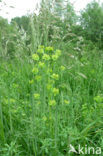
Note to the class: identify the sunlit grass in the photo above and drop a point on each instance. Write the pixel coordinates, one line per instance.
(46, 105)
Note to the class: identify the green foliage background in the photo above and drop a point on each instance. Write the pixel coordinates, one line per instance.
(47, 100)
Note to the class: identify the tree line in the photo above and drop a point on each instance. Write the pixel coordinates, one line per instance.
(56, 22)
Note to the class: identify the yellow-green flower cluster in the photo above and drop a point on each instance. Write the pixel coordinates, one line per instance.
(52, 103)
(36, 96)
(58, 52)
(49, 71)
(49, 48)
(45, 69)
(35, 57)
(35, 70)
(54, 57)
(41, 64)
(12, 101)
(44, 118)
(55, 91)
(62, 68)
(46, 57)
(98, 99)
(41, 47)
(9, 101)
(31, 81)
(38, 77)
(49, 86)
(40, 51)
(15, 85)
(55, 76)
(66, 102)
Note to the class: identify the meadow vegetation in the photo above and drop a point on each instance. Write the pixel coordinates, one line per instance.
(51, 81)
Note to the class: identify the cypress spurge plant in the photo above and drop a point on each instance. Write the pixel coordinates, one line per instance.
(46, 78)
